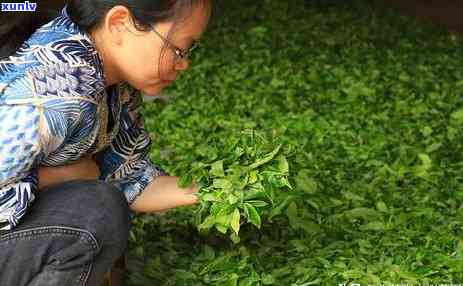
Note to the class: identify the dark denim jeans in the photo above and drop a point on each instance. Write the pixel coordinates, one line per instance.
(71, 235)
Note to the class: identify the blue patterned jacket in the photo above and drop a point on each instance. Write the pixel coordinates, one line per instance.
(55, 109)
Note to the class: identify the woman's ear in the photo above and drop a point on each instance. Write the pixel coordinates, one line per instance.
(116, 22)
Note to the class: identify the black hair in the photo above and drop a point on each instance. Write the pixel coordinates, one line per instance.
(17, 27)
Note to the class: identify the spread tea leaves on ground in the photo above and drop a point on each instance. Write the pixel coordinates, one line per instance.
(367, 108)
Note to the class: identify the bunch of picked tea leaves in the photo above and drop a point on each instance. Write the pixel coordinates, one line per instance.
(249, 181)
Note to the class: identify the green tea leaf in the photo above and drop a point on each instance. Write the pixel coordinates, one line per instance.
(181, 274)
(292, 214)
(210, 197)
(185, 181)
(235, 238)
(235, 221)
(265, 159)
(252, 215)
(223, 184)
(375, 225)
(221, 228)
(458, 115)
(283, 165)
(381, 206)
(207, 223)
(252, 177)
(268, 279)
(217, 169)
(257, 203)
(365, 213)
(306, 183)
(232, 199)
(280, 207)
(426, 161)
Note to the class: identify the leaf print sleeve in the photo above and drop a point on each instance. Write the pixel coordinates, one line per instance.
(126, 162)
(19, 151)
(49, 94)
(43, 121)
(30, 136)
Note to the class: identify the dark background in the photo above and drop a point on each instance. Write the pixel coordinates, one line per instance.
(448, 13)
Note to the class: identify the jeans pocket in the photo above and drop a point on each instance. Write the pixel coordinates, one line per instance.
(48, 255)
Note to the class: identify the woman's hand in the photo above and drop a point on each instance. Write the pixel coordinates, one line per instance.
(84, 168)
(163, 194)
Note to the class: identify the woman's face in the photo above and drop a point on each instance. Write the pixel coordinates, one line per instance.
(144, 59)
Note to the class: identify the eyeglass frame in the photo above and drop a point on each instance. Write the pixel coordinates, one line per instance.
(179, 53)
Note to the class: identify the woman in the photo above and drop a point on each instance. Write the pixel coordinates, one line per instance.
(74, 156)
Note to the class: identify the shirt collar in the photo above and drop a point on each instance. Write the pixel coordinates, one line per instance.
(64, 11)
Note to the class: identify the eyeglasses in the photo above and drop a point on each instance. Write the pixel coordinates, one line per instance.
(179, 53)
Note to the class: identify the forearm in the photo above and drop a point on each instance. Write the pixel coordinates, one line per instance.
(162, 193)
